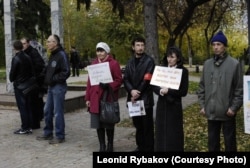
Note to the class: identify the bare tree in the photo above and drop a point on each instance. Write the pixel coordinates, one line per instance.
(176, 16)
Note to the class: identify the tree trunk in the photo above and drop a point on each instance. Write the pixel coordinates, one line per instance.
(151, 30)
(9, 31)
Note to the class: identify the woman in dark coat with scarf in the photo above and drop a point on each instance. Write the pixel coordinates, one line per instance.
(169, 114)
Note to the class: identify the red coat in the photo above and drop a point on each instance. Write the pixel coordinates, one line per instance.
(94, 93)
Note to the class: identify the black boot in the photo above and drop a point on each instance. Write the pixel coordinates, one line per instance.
(110, 135)
(101, 137)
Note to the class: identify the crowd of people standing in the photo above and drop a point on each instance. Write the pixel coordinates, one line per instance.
(220, 94)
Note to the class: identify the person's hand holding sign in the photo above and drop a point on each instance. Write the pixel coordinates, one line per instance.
(163, 91)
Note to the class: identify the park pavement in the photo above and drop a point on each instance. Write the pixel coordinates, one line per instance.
(24, 151)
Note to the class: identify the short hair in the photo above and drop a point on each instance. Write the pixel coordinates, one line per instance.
(26, 38)
(18, 45)
(56, 37)
(138, 39)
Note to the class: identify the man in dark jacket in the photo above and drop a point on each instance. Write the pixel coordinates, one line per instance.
(21, 71)
(37, 96)
(75, 61)
(57, 72)
(137, 76)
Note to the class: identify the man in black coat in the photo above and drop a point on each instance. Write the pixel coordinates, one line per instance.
(137, 76)
(37, 96)
(20, 72)
(75, 61)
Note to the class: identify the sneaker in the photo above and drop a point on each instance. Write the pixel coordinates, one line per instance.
(22, 131)
(30, 131)
(44, 137)
(56, 141)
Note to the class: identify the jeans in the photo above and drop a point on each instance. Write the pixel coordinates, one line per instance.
(54, 106)
(24, 107)
(229, 133)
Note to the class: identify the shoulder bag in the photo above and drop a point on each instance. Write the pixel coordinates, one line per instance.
(109, 111)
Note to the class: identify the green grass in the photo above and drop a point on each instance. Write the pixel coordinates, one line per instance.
(2, 76)
(193, 87)
(195, 130)
(83, 71)
(79, 83)
(195, 73)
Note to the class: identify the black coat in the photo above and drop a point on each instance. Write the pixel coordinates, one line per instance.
(134, 78)
(38, 64)
(37, 60)
(21, 68)
(74, 58)
(169, 117)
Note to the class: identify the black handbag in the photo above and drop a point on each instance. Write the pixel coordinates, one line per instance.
(109, 111)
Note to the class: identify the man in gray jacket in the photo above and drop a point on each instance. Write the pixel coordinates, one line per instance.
(221, 94)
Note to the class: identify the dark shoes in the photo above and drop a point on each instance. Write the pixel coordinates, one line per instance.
(50, 138)
(23, 131)
(102, 148)
(56, 141)
(44, 137)
(110, 147)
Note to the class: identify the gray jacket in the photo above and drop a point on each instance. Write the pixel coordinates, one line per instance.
(221, 87)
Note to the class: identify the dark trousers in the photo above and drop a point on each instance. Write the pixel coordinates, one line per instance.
(229, 133)
(75, 69)
(37, 105)
(24, 107)
(145, 131)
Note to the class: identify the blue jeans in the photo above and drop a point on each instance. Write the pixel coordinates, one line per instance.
(24, 107)
(54, 106)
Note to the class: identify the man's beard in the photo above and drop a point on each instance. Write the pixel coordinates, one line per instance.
(139, 53)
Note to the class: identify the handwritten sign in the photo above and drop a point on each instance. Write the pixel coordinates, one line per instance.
(136, 109)
(246, 102)
(99, 73)
(166, 77)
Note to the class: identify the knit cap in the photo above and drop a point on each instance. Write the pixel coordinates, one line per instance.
(220, 37)
(103, 46)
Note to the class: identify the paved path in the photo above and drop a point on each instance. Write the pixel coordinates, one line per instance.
(24, 151)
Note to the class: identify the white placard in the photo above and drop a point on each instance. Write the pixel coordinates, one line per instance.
(166, 77)
(136, 109)
(246, 103)
(99, 73)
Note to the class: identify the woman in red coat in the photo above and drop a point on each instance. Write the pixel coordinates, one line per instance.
(94, 95)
